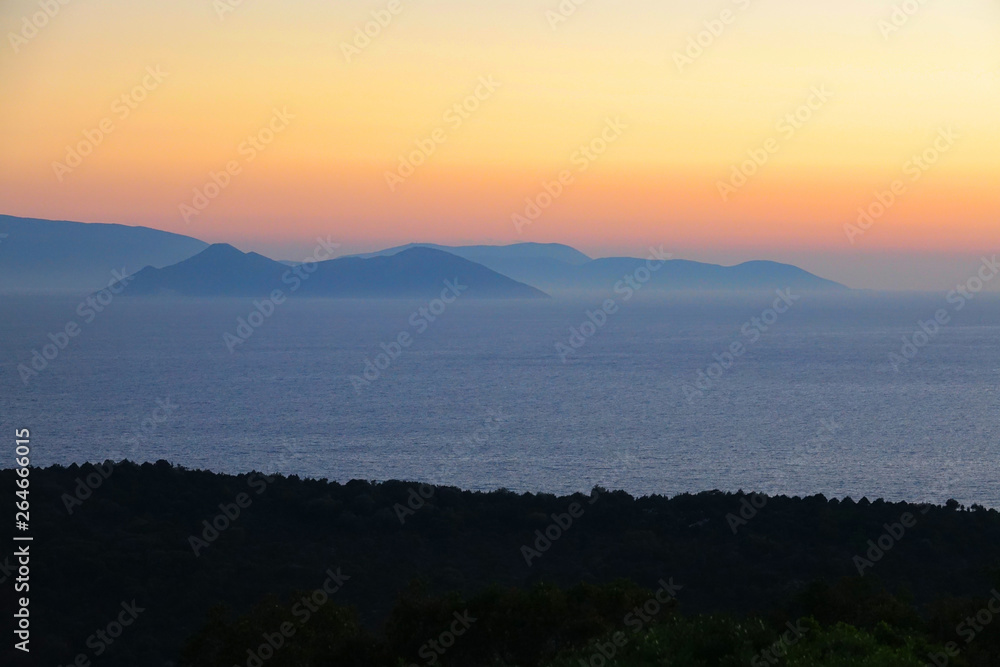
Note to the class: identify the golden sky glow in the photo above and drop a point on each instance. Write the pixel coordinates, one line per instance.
(657, 182)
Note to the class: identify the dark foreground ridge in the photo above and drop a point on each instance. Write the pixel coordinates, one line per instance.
(155, 565)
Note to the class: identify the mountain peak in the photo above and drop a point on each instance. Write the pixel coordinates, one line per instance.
(417, 272)
(221, 250)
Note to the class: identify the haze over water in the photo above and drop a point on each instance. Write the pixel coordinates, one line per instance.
(481, 399)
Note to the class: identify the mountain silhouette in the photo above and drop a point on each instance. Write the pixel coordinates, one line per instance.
(50, 255)
(554, 267)
(218, 270)
(485, 254)
(535, 263)
(418, 273)
(45, 255)
(686, 275)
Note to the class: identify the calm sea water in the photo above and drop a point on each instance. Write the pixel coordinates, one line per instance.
(481, 399)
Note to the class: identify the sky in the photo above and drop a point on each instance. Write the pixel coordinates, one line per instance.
(725, 130)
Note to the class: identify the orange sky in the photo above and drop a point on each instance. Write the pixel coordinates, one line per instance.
(551, 87)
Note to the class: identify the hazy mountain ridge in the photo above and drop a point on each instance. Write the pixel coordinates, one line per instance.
(60, 255)
(484, 254)
(223, 271)
(39, 255)
(554, 267)
(682, 274)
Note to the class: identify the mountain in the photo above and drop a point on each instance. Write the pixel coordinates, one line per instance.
(47, 255)
(484, 254)
(417, 273)
(530, 263)
(218, 270)
(554, 267)
(686, 275)
(50, 255)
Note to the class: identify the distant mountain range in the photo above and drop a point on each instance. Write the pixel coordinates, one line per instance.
(38, 255)
(677, 274)
(419, 273)
(499, 254)
(44, 255)
(554, 267)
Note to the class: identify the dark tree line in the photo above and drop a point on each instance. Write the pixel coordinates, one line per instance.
(414, 552)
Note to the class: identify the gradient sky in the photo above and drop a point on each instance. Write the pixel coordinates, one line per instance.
(656, 184)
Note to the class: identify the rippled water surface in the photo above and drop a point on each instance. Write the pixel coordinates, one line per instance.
(481, 399)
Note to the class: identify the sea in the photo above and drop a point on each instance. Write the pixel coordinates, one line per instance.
(891, 396)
